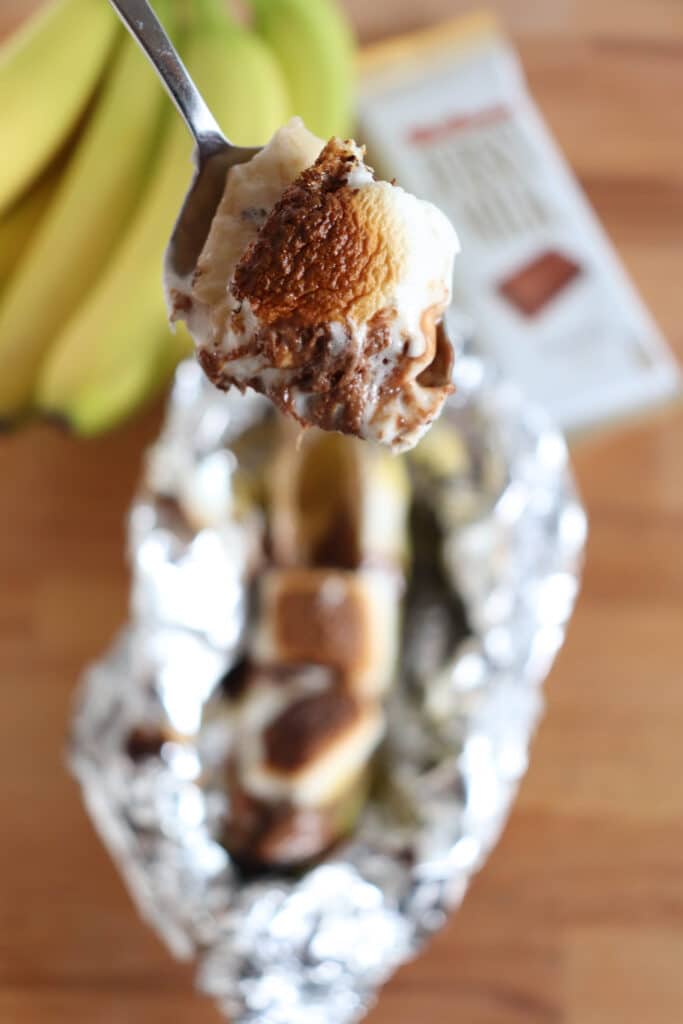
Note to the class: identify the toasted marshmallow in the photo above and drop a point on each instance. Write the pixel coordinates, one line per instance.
(347, 620)
(303, 739)
(323, 289)
(337, 502)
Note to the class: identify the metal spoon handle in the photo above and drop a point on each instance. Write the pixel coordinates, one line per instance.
(146, 29)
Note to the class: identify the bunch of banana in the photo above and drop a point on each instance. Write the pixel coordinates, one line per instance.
(95, 169)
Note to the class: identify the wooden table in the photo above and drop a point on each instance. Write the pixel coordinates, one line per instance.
(578, 916)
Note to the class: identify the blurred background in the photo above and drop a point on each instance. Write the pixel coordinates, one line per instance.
(578, 916)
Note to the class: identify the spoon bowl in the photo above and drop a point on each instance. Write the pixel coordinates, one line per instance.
(197, 212)
(214, 154)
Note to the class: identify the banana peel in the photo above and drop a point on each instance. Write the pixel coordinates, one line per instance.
(107, 358)
(314, 46)
(19, 223)
(94, 200)
(47, 76)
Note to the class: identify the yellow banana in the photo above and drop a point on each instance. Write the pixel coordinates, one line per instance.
(97, 194)
(173, 347)
(314, 46)
(108, 357)
(20, 221)
(48, 71)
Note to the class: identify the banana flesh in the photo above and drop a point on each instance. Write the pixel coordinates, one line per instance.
(337, 501)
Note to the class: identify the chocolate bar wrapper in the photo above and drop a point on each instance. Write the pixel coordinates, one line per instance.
(448, 113)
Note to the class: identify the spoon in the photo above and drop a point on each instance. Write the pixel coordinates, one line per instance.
(214, 154)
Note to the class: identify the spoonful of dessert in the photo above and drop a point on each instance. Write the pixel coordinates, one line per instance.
(302, 276)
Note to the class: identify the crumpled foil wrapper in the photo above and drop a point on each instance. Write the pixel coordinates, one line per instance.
(315, 947)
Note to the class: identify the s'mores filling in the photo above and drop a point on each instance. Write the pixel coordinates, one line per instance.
(324, 289)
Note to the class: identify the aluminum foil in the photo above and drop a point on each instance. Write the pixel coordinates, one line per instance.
(480, 637)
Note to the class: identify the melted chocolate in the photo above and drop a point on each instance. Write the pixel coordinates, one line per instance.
(305, 728)
(439, 372)
(145, 741)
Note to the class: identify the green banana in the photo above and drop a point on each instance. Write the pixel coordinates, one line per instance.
(19, 223)
(96, 197)
(48, 71)
(109, 356)
(172, 347)
(314, 45)
(178, 345)
(250, 97)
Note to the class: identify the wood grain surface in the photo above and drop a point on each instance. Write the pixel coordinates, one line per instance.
(578, 916)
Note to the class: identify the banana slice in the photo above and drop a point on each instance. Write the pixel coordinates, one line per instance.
(347, 620)
(442, 453)
(337, 502)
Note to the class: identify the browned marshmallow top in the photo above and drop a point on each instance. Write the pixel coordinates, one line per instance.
(325, 253)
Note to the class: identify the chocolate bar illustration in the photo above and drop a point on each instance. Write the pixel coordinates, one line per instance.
(534, 285)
